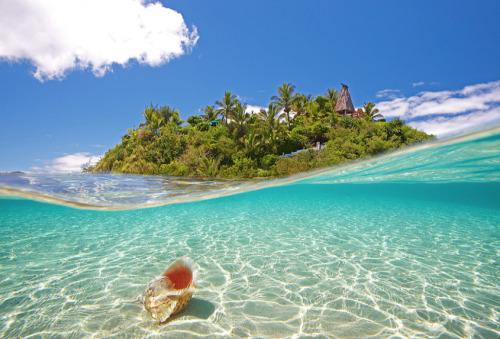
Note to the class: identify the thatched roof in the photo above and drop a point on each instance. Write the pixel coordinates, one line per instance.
(344, 102)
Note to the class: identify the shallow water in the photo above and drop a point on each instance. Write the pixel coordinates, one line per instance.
(407, 245)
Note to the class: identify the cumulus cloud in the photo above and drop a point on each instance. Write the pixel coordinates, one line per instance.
(447, 111)
(57, 36)
(69, 163)
(443, 125)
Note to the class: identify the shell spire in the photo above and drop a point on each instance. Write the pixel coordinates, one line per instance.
(169, 293)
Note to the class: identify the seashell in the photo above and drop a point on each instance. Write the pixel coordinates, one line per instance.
(169, 293)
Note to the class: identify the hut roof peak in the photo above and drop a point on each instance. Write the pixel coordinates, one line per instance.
(344, 102)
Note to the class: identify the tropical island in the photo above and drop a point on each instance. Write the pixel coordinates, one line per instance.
(296, 133)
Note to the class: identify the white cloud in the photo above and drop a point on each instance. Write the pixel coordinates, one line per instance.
(57, 36)
(447, 111)
(388, 93)
(395, 108)
(415, 84)
(69, 163)
(254, 109)
(443, 125)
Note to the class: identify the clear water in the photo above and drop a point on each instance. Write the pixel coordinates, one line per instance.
(405, 245)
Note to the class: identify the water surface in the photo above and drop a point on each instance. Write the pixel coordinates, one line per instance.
(404, 245)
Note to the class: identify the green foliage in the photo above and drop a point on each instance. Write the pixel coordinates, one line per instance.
(370, 113)
(204, 126)
(224, 147)
(318, 131)
(239, 119)
(250, 145)
(284, 99)
(194, 120)
(292, 141)
(289, 166)
(269, 160)
(174, 168)
(226, 106)
(347, 122)
(242, 167)
(209, 166)
(210, 114)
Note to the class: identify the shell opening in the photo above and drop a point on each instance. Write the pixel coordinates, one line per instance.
(180, 277)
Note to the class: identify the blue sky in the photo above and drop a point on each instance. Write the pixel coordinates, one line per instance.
(74, 74)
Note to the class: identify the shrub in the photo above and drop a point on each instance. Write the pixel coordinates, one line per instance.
(269, 160)
(194, 120)
(288, 166)
(318, 131)
(175, 168)
(193, 156)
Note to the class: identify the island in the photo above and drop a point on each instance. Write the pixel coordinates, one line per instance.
(296, 133)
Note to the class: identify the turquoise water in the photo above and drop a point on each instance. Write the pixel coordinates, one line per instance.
(405, 245)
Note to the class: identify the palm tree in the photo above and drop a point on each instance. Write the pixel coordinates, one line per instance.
(285, 99)
(176, 119)
(155, 124)
(252, 143)
(166, 112)
(210, 113)
(271, 117)
(332, 96)
(153, 120)
(209, 167)
(227, 105)
(149, 114)
(371, 113)
(240, 117)
(300, 102)
(313, 111)
(323, 106)
(271, 141)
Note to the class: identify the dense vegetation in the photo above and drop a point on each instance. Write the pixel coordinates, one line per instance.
(226, 141)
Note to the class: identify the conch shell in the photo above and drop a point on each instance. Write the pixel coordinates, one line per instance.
(169, 293)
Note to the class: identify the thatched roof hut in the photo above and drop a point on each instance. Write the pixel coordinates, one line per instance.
(344, 103)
